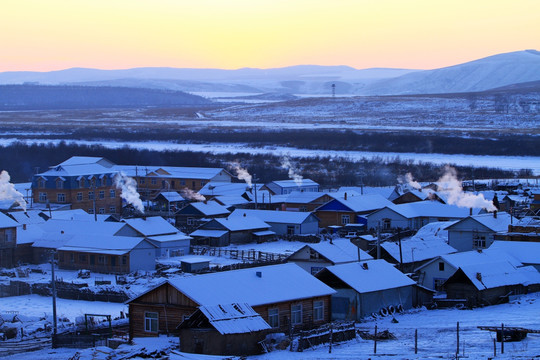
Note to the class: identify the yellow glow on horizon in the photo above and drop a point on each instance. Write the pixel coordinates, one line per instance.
(56, 34)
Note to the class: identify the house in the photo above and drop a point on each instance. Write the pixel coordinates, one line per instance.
(384, 191)
(365, 288)
(282, 187)
(283, 222)
(303, 201)
(196, 213)
(428, 243)
(231, 230)
(526, 252)
(491, 283)
(526, 229)
(213, 189)
(415, 215)
(223, 329)
(107, 254)
(348, 208)
(169, 202)
(88, 182)
(284, 295)
(232, 202)
(8, 240)
(167, 239)
(435, 272)
(477, 231)
(315, 257)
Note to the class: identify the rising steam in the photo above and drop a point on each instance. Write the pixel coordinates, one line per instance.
(128, 187)
(449, 184)
(407, 180)
(8, 191)
(189, 194)
(293, 174)
(241, 173)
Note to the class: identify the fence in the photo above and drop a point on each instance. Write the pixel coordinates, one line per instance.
(329, 333)
(244, 255)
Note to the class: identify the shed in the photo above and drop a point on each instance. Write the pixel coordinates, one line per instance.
(191, 264)
(224, 329)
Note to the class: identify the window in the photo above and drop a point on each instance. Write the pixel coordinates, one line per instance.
(42, 197)
(102, 210)
(72, 258)
(273, 317)
(479, 241)
(314, 255)
(183, 182)
(441, 266)
(124, 260)
(41, 183)
(8, 237)
(290, 229)
(315, 269)
(345, 219)
(387, 224)
(153, 181)
(151, 322)
(203, 183)
(61, 197)
(141, 181)
(102, 259)
(190, 221)
(112, 209)
(303, 208)
(318, 310)
(90, 211)
(59, 184)
(438, 284)
(90, 195)
(112, 194)
(193, 184)
(83, 258)
(102, 194)
(79, 196)
(81, 183)
(296, 314)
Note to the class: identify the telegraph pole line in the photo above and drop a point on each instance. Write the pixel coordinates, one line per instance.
(53, 283)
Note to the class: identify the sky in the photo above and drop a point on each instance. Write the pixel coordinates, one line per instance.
(38, 35)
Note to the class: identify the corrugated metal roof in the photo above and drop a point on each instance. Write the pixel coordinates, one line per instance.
(236, 318)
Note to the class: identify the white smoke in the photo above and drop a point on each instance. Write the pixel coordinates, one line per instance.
(450, 185)
(241, 173)
(408, 181)
(189, 194)
(293, 174)
(128, 187)
(8, 191)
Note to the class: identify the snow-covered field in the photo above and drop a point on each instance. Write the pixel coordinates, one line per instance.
(513, 163)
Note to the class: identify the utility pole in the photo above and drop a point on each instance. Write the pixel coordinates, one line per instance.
(400, 251)
(53, 283)
(379, 241)
(255, 189)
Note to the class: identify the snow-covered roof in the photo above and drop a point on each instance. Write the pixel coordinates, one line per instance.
(276, 283)
(492, 275)
(473, 257)
(55, 226)
(231, 200)
(172, 196)
(208, 233)
(112, 245)
(170, 171)
(27, 217)
(237, 318)
(264, 233)
(271, 216)
(294, 184)
(215, 188)
(384, 191)
(499, 223)
(30, 234)
(7, 222)
(361, 203)
(73, 214)
(84, 160)
(210, 208)
(154, 225)
(239, 223)
(527, 252)
(301, 197)
(167, 238)
(51, 241)
(339, 251)
(369, 276)
(429, 242)
(431, 209)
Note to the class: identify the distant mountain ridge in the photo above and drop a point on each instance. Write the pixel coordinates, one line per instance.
(479, 75)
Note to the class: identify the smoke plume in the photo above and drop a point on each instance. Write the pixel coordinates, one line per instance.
(8, 191)
(241, 173)
(449, 184)
(189, 194)
(128, 187)
(293, 174)
(408, 181)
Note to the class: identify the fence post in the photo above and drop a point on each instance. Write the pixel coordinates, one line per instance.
(494, 347)
(416, 341)
(457, 346)
(331, 339)
(502, 338)
(375, 341)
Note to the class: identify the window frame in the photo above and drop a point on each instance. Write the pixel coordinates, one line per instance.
(296, 314)
(318, 310)
(151, 322)
(273, 317)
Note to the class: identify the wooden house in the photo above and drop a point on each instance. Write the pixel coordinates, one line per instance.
(367, 287)
(282, 187)
(231, 230)
(8, 240)
(193, 215)
(224, 329)
(283, 222)
(346, 208)
(477, 231)
(315, 257)
(284, 295)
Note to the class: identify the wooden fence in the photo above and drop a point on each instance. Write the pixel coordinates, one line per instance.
(244, 255)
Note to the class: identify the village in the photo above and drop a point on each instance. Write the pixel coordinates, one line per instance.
(217, 264)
